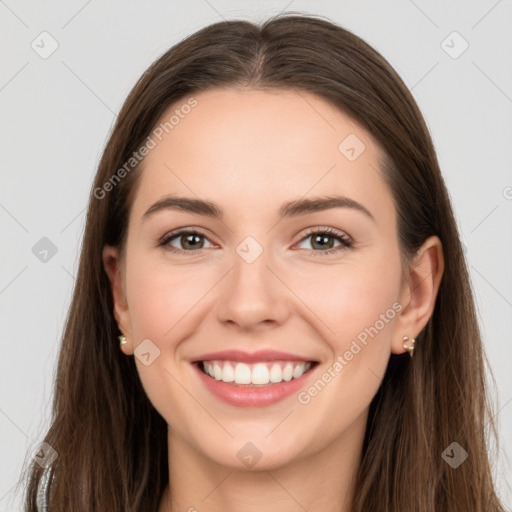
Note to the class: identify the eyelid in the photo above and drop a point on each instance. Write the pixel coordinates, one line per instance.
(326, 229)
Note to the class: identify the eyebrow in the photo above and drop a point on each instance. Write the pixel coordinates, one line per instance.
(289, 209)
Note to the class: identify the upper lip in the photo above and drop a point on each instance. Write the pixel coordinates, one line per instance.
(246, 357)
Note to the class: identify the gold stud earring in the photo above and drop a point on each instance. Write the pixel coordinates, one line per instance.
(409, 348)
(122, 340)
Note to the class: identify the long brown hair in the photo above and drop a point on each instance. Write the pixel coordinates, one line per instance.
(112, 443)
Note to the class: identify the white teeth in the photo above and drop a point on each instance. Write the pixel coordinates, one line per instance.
(242, 374)
(276, 374)
(228, 374)
(259, 374)
(288, 372)
(299, 370)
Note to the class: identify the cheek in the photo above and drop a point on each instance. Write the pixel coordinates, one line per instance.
(163, 301)
(348, 298)
(161, 297)
(359, 304)
(355, 306)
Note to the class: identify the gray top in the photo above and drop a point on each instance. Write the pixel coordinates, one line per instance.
(41, 503)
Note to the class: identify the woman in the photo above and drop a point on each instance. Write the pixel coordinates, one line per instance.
(270, 237)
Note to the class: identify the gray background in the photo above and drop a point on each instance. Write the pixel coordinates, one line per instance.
(57, 112)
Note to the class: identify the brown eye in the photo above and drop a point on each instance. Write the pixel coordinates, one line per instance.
(187, 241)
(323, 241)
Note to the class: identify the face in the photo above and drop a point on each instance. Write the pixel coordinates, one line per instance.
(269, 287)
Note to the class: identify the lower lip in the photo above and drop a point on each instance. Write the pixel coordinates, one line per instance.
(245, 396)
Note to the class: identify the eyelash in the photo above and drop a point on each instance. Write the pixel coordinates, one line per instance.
(345, 240)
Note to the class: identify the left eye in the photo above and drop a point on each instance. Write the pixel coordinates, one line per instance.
(322, 241)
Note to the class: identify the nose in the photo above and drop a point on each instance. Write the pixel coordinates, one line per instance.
(253, 296)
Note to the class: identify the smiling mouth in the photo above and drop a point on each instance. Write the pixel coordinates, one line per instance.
(259, 374)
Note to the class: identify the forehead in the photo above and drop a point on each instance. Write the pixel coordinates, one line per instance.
(255, 149)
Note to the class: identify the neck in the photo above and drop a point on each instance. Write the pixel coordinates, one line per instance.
(323, 481)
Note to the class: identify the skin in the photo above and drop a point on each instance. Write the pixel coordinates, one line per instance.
(250, 151)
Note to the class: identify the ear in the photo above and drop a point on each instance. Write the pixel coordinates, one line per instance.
(114, 269)
(419, 292)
